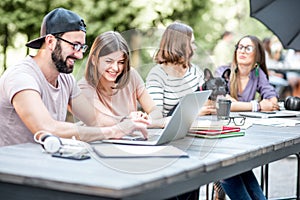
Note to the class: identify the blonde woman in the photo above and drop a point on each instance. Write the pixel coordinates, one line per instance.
(113, 87)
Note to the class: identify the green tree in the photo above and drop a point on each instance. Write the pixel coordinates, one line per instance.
(209, 18)
(24, 17)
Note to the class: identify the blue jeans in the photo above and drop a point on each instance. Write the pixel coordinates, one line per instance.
(243, 186)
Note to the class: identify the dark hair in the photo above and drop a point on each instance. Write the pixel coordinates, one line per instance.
(175, 45)
(107, 43)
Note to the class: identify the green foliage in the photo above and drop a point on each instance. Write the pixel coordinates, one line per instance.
(209, 18)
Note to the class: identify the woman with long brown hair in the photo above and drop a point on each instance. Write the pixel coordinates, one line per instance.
(250, 90)
(113, 86)
(249, 85)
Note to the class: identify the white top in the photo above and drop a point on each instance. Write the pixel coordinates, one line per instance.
(167, 90)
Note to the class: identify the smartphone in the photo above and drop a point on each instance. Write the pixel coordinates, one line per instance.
(268, 112)
(71, 156)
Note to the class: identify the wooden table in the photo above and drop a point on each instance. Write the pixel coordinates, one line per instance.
(28, 173)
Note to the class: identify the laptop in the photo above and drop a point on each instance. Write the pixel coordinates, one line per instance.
(178, 126)
(271, 114)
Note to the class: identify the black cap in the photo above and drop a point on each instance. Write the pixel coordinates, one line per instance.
(57, 21)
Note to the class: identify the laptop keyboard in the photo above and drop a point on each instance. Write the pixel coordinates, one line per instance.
(153, 134)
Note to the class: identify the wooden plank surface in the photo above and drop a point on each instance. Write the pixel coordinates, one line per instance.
(134, 178)
(26, 164)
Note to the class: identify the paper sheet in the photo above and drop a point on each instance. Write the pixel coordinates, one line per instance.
(273, 121)
(204, 124)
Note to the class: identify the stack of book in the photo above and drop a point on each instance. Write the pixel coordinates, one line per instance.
(213, 129)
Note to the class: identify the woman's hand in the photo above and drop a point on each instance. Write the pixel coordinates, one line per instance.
(208, 108)
(268, 105)
(139, 115)
(128, 126)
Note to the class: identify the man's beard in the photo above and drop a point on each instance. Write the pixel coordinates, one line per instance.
(60, 64)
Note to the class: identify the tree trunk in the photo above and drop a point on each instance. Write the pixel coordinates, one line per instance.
(5, 45)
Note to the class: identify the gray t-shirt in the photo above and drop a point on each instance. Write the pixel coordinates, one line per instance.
(27, 75)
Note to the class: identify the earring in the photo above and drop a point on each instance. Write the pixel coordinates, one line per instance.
(256, 70)
(236, 70)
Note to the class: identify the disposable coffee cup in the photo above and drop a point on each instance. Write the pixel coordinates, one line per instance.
(223, 109)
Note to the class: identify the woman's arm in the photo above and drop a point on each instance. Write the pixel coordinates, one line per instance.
(264, 105)
(239, 105)
(149, 106)
(269, 104)
(208, 108)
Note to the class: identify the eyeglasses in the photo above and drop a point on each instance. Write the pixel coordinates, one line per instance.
(238, 121)
(248, 48)
(76, 47)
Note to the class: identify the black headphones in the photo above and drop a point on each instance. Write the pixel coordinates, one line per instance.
(49, 142)
(292, 103)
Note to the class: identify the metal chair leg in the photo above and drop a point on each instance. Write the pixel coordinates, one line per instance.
(267, 180)
(262, 178)
(298, 177)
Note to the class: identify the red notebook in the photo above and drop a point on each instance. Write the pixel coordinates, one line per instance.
(225, 129)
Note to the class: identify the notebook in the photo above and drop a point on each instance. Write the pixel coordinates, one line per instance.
(271, 114)
(206, 124)
(225, 129)
(225, 135)
(178, 126)
(137, 151)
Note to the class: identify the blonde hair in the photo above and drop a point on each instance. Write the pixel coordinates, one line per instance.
(107, 43)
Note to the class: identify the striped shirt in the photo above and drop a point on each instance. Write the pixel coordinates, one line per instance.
(167, 90)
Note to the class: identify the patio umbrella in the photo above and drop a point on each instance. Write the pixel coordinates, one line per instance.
(281, 17)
